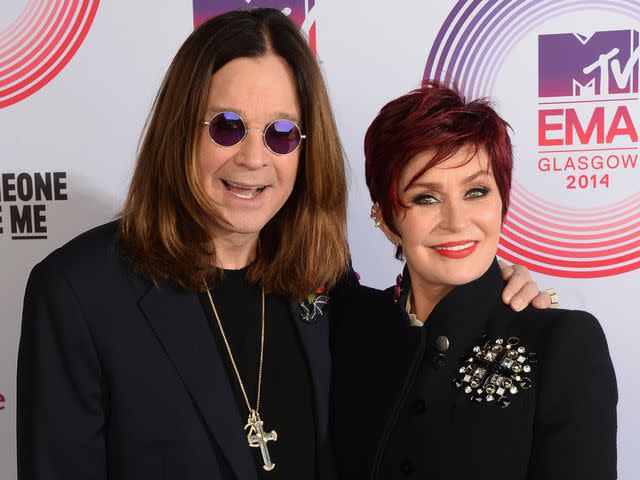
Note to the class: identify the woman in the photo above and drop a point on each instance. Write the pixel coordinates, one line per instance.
(443, 381)
(163, 345)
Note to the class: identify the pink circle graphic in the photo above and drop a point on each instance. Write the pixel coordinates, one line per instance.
(38, 44)
(470, 49)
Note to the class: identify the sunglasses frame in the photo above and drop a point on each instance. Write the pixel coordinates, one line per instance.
(263, 131)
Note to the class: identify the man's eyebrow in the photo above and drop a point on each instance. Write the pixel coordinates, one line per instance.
(215, 109)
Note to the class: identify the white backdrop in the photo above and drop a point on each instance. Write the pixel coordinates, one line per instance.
(85, 123)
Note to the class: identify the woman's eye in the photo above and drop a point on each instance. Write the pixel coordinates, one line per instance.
(425, 199)
(477, 192)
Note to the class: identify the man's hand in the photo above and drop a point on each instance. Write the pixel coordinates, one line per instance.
(521, 289)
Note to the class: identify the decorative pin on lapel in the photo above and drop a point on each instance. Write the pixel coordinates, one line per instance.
(496, 371)
(311, 308)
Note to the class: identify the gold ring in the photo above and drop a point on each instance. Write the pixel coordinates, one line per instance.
(554, 297)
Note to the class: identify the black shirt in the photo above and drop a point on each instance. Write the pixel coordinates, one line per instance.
(286, 404)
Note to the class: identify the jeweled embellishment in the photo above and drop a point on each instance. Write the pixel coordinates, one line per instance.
(312, 307)
(494, 373)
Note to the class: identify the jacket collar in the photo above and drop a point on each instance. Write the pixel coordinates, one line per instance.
(463, 314)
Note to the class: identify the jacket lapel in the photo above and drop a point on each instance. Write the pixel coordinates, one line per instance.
(314, 335)
(177, 318)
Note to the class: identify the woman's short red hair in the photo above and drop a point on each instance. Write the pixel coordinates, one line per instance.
(437, 118)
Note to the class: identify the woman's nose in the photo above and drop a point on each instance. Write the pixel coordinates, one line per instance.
(454, 216)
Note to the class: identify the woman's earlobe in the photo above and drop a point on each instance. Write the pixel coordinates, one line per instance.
(376, 216)
(393, 238)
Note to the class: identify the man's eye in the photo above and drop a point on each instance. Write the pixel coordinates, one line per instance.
(479, 192)
(424, 199)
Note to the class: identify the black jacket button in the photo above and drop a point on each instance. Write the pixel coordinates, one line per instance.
(419, 407)
(406, 467)
(439, 361)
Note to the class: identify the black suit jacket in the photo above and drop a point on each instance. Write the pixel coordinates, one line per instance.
(397, 413)
(120, 379)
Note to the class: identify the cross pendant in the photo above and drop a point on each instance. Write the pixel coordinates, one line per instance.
(258, 438)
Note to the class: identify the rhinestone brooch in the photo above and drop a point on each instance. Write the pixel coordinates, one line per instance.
(496, 371)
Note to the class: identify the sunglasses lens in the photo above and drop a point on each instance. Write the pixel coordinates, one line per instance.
(282, 137)
(226, 129)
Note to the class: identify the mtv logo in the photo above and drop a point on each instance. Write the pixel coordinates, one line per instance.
(573, 65)
(296, 10)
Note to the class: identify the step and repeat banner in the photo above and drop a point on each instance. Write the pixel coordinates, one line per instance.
(77, 79)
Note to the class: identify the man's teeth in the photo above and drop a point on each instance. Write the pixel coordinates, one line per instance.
(457, 247)
(242, 191)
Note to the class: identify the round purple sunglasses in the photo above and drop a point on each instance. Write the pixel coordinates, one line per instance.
(281, 136)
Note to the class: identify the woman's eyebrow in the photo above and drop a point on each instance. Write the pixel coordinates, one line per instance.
(474, 176)
(438, 186)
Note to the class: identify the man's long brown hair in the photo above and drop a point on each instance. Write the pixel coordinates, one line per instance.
(165, 222)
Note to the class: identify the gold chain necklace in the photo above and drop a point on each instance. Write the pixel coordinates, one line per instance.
(256, 436)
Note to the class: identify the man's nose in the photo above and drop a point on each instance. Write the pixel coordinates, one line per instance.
(252, 152)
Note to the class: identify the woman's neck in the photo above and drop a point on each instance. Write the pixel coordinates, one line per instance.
(425, 296)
